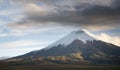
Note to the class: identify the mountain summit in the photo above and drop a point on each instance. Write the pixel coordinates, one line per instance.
(77, 47)
(82, 35)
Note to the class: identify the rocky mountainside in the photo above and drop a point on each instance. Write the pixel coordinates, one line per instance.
(76, 47)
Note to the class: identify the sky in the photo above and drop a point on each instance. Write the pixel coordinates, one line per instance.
(28, 25)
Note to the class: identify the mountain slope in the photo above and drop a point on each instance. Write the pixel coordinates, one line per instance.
(78, 46)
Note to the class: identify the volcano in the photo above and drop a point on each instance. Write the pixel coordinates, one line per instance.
(77, 47)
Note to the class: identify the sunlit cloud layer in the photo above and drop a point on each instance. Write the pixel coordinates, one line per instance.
(109, 39)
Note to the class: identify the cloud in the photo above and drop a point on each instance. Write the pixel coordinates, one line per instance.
(23, 30)
(95, 15)
(105, 37)
(33, 9)
(10, 14)
(21, 43)
(1, 1)
(17, 2)
(104, 2)
(108, 38)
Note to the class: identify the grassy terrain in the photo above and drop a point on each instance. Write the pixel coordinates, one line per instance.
(37, 66)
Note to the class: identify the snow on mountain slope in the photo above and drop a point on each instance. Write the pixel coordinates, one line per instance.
(82, 35)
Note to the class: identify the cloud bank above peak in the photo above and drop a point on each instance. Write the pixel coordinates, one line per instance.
(89, 14)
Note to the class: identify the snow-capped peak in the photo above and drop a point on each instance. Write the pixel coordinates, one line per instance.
(82, 35)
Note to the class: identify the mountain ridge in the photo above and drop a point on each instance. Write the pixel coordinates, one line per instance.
(79, 48)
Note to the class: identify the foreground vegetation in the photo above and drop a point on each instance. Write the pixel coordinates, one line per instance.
(39, 66)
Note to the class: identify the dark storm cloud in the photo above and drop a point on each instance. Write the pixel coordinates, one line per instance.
(90, 14)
